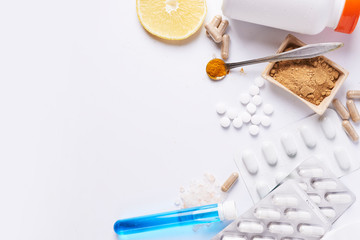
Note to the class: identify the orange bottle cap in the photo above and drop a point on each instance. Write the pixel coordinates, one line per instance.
(349, 17)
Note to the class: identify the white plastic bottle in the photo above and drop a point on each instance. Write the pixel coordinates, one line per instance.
(303, 16)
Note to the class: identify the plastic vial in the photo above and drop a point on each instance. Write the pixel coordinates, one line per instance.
(188, 216)
(303, 16)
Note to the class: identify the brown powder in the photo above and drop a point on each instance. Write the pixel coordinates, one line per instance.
(311, 79)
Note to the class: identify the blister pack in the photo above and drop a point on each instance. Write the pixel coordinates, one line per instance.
(286, 213)
(263, 166)
(323, 188)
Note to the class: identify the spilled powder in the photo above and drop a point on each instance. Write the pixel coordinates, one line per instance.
(311, 79)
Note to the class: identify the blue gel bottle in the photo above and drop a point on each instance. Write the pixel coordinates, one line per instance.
(188, 216)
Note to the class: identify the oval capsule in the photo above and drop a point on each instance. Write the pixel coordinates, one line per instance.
(285, 200)
(353, 94)
(328, 128)
(250, 227)
(269, 152)
(342, 158)
(281, 228)
(308, 137)
(250, 162)
(289, 144)
(311, 230)
(328, 212)
(267, 213)
(230, 182)
(311, 172)
(338, 198)
(295, 214)
(324, 184)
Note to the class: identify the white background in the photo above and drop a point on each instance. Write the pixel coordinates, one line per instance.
(100, 120)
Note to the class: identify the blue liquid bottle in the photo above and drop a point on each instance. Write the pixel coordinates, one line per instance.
(188, 216)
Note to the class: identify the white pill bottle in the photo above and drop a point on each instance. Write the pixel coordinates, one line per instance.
(302, 16)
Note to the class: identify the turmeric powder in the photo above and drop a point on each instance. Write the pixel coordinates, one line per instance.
(216, 69)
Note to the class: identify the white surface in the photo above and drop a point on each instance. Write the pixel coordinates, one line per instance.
(83, 97)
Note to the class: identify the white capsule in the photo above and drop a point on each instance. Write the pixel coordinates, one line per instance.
(315, 198)
(281, 228)
(338, 198)
(303, 186)
(256, 119)
(232, 113)
(328, 212)
(262, 189)
(259, 81)
(285, 200)
(342, 158)
(225, 122)
(254, 130)
(308, 136)
(265, 121)
(254, 90)
(324, 184)
(246, 117)
(299, 215)
(237, 123)
(269, 152)
(328, 128)
(289, 144)
(311, 172)
(268, 109)
(232, 237)
(220, 108)
(267, 213)
(310, 230)
(251, 108)
(250, 227)
(257, 100)
(244, 98)
(250, 162)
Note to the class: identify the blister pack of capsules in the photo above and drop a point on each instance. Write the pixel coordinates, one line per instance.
(285, 214)
(331, 196)
(264, 165)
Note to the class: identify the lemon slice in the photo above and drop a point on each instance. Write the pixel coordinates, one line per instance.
(171, 19)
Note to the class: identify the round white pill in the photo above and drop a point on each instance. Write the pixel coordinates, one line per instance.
(268, 109)
(244, 98)
(237, 123)
(251, 108)
(260, 82)
(265, 121)
(245, 117)
(220, 108)
(254, 130)
(225, 122)
(254, 90)
(232, 113)
(257, 100)
(256, 119)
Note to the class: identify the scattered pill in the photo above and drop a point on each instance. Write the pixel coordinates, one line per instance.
(267, 213)
(262, 189)
(254, 90)
(229, 237)
(311, 172)
(350, 131)
(281, 228)
(238, 122)
(342, 158)
(269, 152)
(216, 32)
(310, 230)
(324, 184)
(250, 227)
(244, 98)
(328, 212)
(230, 182)
(251, 108)
(268, 109)
(265, 121)
(285, 200)
(341, 109)
(308, 136)
(256, 119)
(232, 113)
(245, 117)
(299, 215)
(221, 108)
(354, 113)
(222, 27)
(338, 198)
(250, 162)
(315, 198)
(328, 128)
(225, 122)
(260, 82)
(254, 130)
(257, 100)
(353, 94)
(225, 47)
(289, 144)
